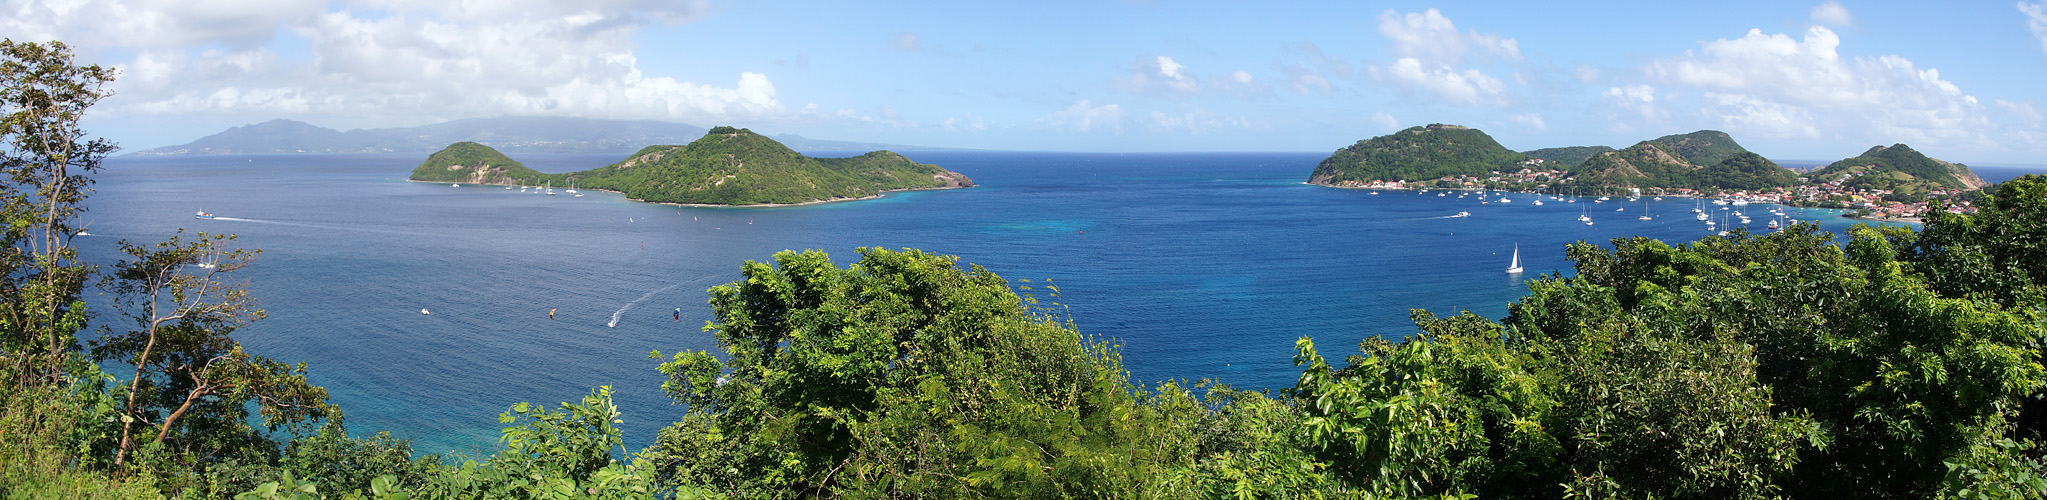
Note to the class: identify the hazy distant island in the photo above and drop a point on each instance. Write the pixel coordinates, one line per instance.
(1884, 182)
(726, 167)
(518, 134)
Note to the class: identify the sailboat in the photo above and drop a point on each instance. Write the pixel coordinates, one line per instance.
(1645, 212)
(1514, 267)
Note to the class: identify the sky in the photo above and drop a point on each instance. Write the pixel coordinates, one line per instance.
(1809, 81)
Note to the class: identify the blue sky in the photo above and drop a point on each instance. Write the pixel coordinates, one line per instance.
(1815, 81)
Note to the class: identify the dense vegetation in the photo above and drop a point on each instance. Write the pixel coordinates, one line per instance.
(1901, 364)
(728, 166)
(1704, 160)
(1899, 169)
(731, 166)
(476, 164)
(1569, 156)
(1418, 153)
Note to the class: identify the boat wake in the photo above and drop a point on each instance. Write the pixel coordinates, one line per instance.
(629, 305)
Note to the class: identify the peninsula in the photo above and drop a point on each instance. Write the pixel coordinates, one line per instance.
(726, 167)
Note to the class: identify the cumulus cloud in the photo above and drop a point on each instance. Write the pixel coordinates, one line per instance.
(1084, 116)
(1638, 99)
(1430, 37)
(1777, 84)
(1832, 14)
(2036, 21)
(1467, 87)
(1430, 47)
(392, 61)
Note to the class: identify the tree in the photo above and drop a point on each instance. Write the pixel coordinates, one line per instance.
(43, 153)
(191, 379)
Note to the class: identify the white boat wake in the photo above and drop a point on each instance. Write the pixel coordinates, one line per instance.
(629, 305)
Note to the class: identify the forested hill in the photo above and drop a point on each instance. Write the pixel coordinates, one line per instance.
(1418, 153)
(1707, 159)
(1899, 169)
(1571, 155)
(469, 162)
(728, 166)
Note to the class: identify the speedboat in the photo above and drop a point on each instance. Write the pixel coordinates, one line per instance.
(202, 215)
(1462, 214)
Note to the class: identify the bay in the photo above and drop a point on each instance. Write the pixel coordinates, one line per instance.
(1198, 265)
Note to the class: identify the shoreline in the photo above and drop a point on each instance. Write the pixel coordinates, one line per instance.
(883, 193)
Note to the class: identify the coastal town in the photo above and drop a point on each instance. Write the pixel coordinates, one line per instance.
(1550, 177)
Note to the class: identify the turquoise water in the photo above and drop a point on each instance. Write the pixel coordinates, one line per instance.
(1200, 265)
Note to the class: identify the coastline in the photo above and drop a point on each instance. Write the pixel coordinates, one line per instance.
(718, 205)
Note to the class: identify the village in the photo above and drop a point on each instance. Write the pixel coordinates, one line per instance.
(1550, 177)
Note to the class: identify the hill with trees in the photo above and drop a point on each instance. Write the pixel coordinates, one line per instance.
(1570, 155)
(1417, 153)
(727, 166)
(1899, 169)
(1706, 160)
(472, 163)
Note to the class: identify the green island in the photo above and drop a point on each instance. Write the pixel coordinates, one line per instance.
(1892, 183)
(1902, 364)
(727, 166)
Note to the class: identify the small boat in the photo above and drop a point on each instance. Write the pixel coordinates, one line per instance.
(1462, 214)
(202, 215)
(1514, 267)
(1504, 200)
(1375, 192)
(1538, 202)
(1773, 223)
(454, 185)
(424, 311)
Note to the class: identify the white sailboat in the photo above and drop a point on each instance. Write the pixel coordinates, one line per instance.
(1514, 267)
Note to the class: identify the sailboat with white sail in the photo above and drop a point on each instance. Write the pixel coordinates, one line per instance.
(1514, 267)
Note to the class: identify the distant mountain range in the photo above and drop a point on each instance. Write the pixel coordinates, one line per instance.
(523, 134)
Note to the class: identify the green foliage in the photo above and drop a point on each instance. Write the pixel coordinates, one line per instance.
(1679, 161)
(1418, 153)
(475, 163)
(738, 167)
(1704, 147)
(1900, 169)
(1569, 156)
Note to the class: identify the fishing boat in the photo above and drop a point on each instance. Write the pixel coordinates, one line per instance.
(202, 215)
(1514, 267)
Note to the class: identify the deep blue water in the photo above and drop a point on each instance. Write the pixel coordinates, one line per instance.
(1199, 265)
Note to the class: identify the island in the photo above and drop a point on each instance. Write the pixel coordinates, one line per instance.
(728, 166)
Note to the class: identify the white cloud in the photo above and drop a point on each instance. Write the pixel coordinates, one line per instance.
(1385, 121)
(1533, 120)
(2036, 21)
(1586, 74)
(1241, 77)
(1748, 113)
(970, 123)
(908, 42)
(406, 63)
(1832, 14)
(1158, 75)
(1639, 99)
(1197, 121)
(1468, 87)
(1780, 85)
(1431, 37)
(2022, 109)
(1084, 116)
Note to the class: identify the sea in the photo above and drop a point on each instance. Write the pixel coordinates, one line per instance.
(1200, 266)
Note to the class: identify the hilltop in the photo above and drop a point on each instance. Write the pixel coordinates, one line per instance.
(519, 134)
(473, 163)
(1572, 155)
(1900, 170)
(727, 166)
(1706, 159)
(1417, 153)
